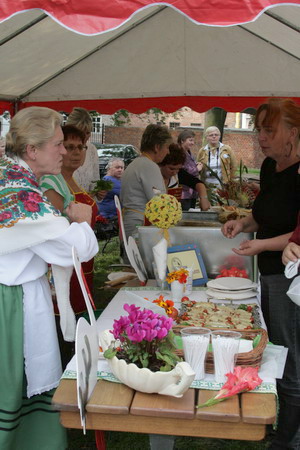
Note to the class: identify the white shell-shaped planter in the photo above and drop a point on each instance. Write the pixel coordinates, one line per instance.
(173, 383)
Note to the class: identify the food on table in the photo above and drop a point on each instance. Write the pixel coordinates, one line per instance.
(213, 315)
(233, 272)
(232, 213)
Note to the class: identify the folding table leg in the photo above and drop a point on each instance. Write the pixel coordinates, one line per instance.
(100, 440)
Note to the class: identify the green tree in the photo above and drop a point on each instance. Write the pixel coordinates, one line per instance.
(122, 117)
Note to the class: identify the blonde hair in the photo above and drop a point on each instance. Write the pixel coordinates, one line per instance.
(31, 126)
(211, 129)
(80, 118)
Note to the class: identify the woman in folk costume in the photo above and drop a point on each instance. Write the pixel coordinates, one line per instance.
(33, 235)
(218, 156)
(60, 190)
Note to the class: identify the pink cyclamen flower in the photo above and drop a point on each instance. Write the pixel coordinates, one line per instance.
(240, 380)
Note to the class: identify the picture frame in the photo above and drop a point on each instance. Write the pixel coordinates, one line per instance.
(188, 256)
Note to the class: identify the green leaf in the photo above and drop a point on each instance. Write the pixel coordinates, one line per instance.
(101, 185)
(256, 340)
(166, 368)
(110, 353)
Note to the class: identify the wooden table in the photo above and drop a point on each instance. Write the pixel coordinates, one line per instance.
(116, 407)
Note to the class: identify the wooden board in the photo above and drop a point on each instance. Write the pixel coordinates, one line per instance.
(164, 425)
(258, 408)
(110, 398)
(65, 396)
(226, 411)
(155, 405)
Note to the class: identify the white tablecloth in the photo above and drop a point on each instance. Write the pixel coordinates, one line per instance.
(273, 359)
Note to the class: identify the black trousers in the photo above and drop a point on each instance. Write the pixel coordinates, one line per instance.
(282, 317)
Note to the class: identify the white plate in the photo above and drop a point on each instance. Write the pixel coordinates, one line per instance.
(235, 291)
(115, 275)
(230, 296)
(231, 283)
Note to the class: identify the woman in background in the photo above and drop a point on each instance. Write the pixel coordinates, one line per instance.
(217, 156)
(33, 235)
(174, 175)
(115, 169)
(88, 172)
(186, 141)
(142, 178)
(274, 217)
(2, 146)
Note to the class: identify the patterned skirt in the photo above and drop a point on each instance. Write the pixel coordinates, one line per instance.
(25, 423)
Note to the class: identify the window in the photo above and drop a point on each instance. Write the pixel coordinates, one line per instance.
(174, 124)
(196, 124)
(97, 124)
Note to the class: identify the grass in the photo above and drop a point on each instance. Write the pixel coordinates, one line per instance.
(127, 441)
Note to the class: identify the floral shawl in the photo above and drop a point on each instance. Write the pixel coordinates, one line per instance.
(26, 217)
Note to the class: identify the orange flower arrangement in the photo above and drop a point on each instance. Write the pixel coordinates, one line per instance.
(177, 275)
(168, 306)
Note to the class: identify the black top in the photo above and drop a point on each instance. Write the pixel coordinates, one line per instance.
(275, 210)
(187, 179)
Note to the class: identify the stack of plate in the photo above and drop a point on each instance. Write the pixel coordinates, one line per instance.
(232, 288)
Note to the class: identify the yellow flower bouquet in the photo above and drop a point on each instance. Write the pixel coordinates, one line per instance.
(163, 211)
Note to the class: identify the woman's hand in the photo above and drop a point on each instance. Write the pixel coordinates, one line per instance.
(250, 247)
(291, 253)
(204, 204)
(231, 228)
(100, 195)
(79, 212)
(199, 166)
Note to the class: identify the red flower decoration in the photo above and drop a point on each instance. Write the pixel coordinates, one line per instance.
(241, 380)
(101, 219)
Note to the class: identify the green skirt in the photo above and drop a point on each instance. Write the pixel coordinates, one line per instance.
(25, 423)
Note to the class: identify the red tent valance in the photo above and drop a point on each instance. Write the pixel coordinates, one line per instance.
(141, 105)
(98, 16)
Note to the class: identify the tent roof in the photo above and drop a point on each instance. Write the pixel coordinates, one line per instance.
(158, 58)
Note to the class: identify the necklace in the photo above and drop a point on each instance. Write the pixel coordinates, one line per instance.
(147, 156)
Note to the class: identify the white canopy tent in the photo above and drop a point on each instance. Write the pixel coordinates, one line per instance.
(158, 58)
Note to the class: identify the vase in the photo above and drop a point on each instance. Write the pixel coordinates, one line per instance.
(177, 289)
(174, 383)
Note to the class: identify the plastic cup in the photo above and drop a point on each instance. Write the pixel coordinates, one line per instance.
(195, 341)
(225, 346)
(162, 284)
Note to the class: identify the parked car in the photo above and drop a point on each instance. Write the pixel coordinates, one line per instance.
(106, 151)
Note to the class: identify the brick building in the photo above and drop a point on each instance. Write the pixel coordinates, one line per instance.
(243, 142)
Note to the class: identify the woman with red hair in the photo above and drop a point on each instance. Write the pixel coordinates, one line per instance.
(274, 217)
